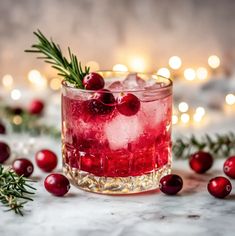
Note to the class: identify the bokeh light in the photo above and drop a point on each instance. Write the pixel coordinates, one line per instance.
(175, 62)
(230, 99)
(183, 107)
(189, 74)
(202, 73)
(214, 61)
(120, 67)
(15, 94)
(164, 72)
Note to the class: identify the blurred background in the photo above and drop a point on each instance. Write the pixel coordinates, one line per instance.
(111, 31)
(191, 41)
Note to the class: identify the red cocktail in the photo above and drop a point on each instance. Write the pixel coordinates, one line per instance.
(117, 140)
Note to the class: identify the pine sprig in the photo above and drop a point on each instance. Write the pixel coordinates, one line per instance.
(71, 70)
(15, 190)
(219, 145)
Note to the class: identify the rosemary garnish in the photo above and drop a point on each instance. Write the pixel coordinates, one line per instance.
(71, 70)
(14, 190)
(219, 145)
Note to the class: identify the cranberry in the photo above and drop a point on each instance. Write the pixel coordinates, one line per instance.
(23, 167)
(5, 152)
(102, 102)
(93, 81)
(171, 184)
(219, 187)
(46, 160)
(128, 104)
(57, 184)
(36, 107)
(2, 129)
(229, 167)
(201, 161)
(16, 110)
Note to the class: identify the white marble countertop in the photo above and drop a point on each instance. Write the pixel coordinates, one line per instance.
(192, 212)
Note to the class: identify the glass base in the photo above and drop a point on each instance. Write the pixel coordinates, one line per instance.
(116, 185)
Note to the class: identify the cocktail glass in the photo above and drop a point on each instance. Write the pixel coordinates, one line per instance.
(107, 152)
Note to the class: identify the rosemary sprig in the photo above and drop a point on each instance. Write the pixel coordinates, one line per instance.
(219, 145)
(15, 190)
(71, 70)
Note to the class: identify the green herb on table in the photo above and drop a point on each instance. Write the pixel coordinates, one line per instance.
(219, 145)
(15, 191)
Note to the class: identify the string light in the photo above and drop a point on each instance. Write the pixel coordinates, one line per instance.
(214, 61)
(7, 81)
(55, 84)
(183, 107)
(185, 118)
(17, 120)
(94, 66)
(202, 73)
(175, 62)
(197, 117)
(174, 119)
(120, 67)
(164, 72)
(15, 94)
(137, 64)
(230, 99)
(35, 77)
(200, 111)
(189, 74)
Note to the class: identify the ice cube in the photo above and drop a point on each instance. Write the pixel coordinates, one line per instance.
(117, 85)
(154, 112)
(133, 81)
(122, 130)
(153, 84)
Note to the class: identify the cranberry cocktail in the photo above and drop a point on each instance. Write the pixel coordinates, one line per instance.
(117, 139)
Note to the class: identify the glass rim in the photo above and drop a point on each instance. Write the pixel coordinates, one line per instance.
(165, 87)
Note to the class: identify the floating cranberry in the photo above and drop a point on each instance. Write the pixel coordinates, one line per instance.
(219, 187)
(102, 102)
(128, 104)
(201, 161)
(36, 107)
(5, 152)
(46, 160)
(171, 184)
(23, 167)
(93, 81)
(57, 184)
(2, 129)
(229, 167)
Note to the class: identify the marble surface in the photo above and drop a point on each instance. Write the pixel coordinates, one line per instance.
(192, 212)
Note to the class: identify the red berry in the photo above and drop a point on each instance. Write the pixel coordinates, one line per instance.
(201, 161)
(2, 129)
(171, 184)
(57, 184)
(229, 167)
(23, 167)
(36, 107)
(102, 102)
(128, 104)
(5, 152)
(16, 110)
(93, 81)
(46, 160)
(219, 187)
